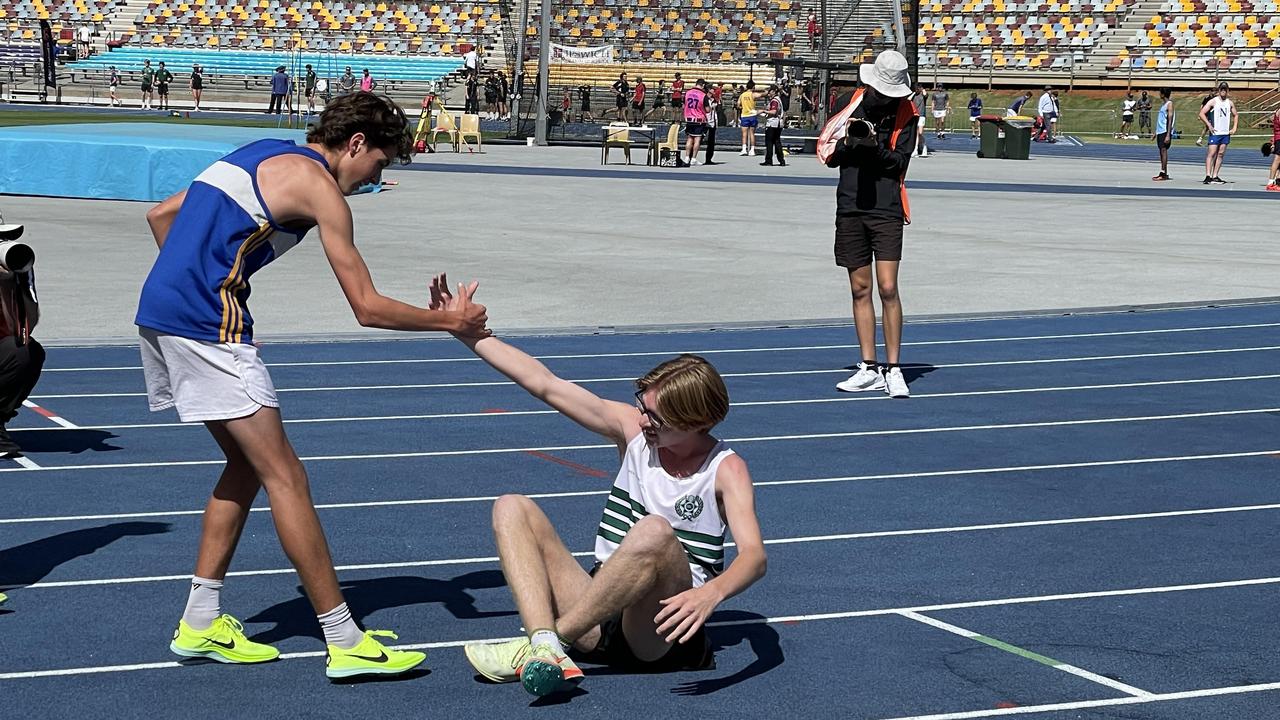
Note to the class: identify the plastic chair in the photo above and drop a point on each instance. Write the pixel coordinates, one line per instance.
(470, 128)
(671, 144)
(617, 134)
(445, 124)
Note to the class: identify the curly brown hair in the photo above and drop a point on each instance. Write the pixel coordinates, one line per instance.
(382, 121)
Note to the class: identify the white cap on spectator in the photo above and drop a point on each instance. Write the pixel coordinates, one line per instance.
(889, 75)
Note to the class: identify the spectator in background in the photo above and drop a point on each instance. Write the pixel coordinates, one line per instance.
(1273, 184)
(975, 109)
(1047, 109)
(584, 107)
(695, 119)
(1164, 133)
(919, 98)
(747, 118)
(806, 103)
(112, 86)
(471, 104)
(1220, 118)
(637, 101)
(1127, 106)
(367, 83)
(731, 105)
(504, 92)
(309, 87)
(659, 101)
(21, 357)
(1144, 114)
(1016, 107)
(621, 94)
(471, 62)
(491, 97)
(163, 78)
(784, 94)
(813, 29)
(941, 100)
(148, 82)
(346, 83)
(677, 96)
(566, 104)
(713, 122)
(773, 120)
(197, 84)
(717, 97)
(279, 88)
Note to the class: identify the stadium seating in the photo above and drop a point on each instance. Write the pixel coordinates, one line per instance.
(1015, 35)
(717, 31)
(19, 54)
(1218, 35)
(71, 11)
(430, 28)
(263, 63)
(603, 75)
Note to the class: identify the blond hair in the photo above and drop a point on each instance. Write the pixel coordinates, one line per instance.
(690, 395)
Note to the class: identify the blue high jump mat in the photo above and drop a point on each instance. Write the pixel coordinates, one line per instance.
(116, 161)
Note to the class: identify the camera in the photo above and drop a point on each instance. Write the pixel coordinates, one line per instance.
(1267, 149)
(15, 256)
(861, 129)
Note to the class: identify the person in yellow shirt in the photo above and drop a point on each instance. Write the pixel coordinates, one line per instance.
(747, 118)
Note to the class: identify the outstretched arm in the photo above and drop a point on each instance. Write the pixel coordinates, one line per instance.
(617, 421)
(683, 614)
(160, 218)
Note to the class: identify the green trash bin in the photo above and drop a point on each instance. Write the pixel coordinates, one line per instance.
(991, 137)
(1017, 140)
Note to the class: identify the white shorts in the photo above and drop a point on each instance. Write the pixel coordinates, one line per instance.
(939, 114)
(204, 380)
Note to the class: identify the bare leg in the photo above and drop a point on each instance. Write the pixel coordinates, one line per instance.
(227, 509)
(649, 566)
(891, 308)
(260, 438)
(1208, 160)
(1217, 161)
(544, 578)
(864, 312)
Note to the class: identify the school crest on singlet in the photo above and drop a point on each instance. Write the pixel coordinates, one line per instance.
(689, 507)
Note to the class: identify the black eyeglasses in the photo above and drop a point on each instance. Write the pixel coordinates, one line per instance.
(654, 420)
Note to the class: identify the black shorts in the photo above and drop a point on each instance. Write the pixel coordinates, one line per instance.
(621, 102)
(659, 102)
(613, 650)
(637, 106)
(146, 87)
(586, 107)
(163, 88)
(1164, 141)
(862, 238)
(695, 129)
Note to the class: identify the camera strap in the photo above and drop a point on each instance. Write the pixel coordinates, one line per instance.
(837, 126)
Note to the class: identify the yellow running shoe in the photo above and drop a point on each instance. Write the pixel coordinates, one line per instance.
(541, 670)
(370, 657)
(224, 641)
(3, 598)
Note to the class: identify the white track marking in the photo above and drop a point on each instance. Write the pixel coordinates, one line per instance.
(1087, 704)
(25, 463)
(771, 541)
(1022, 652)
(764, 438)
(748, 403)
(773, 373)
(724, 351)
(601, 493)
(54, 418)
(817, 617)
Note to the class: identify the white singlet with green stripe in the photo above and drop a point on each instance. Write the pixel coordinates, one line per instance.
(688, 503)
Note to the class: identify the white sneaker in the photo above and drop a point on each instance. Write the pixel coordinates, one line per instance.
(743, 153)
(695, 162)
(865, 379)
(895, 386)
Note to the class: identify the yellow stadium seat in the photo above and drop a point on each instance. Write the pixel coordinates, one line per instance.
(268, 42)
(213, 41)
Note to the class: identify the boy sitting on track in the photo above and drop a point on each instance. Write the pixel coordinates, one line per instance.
(659, 570)
(198, 355)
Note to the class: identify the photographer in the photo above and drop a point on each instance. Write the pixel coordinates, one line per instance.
(871, 140)
(21, 357)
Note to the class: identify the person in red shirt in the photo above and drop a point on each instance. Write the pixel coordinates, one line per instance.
(812, 26)
(677, 97)
(637, 100)
(1273, 149)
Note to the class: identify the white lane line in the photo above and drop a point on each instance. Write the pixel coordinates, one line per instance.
(24, 462)
(749, 403)
(876, 534)
(772, 373)
(601, 493)
(1250, 582)
(1087, 704)
(1029, 655)
(725, 351)
(54, 417)
(763, 438)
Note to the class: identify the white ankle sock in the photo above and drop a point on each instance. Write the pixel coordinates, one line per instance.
(546, 637)
(339, 628)
(204, 604)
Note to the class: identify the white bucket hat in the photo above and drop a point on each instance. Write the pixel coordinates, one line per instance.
(889, 75)
(9, 232)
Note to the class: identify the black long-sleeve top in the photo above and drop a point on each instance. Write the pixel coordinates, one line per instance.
(871, 175)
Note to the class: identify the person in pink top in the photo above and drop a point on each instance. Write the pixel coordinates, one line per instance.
(367, 83)
(695, 119)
